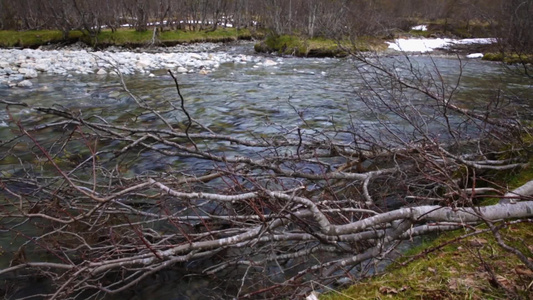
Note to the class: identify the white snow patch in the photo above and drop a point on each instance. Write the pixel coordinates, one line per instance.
(475, 55)
(418, 45)
(420, 27)
(428, 45)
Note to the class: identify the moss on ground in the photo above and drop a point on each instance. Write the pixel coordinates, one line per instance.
(316, 47)
(456, 271)
(122, 37)
(34, 38)
(509, 58)
(131, 37)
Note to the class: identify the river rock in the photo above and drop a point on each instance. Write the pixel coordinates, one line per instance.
(269, 63)
(144, 63)
(72, 60)
(101, 72)
(195, 56)
(16, 77)
(25, 83)
(28, 73)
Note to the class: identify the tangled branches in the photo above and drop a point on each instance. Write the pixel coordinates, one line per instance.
(257, 215)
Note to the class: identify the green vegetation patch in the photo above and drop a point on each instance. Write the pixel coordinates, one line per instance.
(316, 47)
(459, 270)
(121, 37)
(126, 37)
(509, 58)
(34, 38)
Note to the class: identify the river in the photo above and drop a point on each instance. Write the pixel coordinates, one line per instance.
(246, 99)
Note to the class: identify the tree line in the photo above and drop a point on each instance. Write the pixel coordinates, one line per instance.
(307, 17)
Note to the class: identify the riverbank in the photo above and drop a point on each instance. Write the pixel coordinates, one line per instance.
(19, 66)
(452, 267)
(467, 263)
(122, 38)
(317, 47)
(418, 40)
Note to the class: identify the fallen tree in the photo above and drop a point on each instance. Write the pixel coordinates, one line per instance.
(270, 215)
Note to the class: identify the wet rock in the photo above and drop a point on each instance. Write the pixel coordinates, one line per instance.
(25, 83)
(28, 73)
(15, 77)
(269, 63)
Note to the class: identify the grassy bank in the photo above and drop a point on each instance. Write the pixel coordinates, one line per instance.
(509, 58)
(453, 266)
(122, 37)
(460, 270)
(35, 38)
(316, 47)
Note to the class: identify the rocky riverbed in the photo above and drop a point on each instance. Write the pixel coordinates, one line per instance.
(19, 66)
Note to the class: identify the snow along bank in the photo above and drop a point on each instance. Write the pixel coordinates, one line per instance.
(428, 45)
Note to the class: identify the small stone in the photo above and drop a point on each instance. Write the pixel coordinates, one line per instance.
(195, 56)
(101, 72)
(203, 72)
(25, 83)
(151, 75)
(269, 63)
(182, 70)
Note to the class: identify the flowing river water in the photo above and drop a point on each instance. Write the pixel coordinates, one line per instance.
(244, 99)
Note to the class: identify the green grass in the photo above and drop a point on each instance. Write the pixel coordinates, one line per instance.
(33, 38)
(454, 272)
(316, 47)
(129, 36)
(509, 58)
(122, 37)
